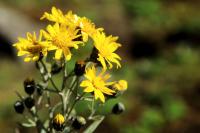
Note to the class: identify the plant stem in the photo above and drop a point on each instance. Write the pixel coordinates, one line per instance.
(76, 100)
(92, 110)
(70, 90)
(49, 75)
(64, 75)
(54, 85)
(50, 90)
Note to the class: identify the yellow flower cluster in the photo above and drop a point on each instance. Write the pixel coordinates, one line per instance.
(69, 31)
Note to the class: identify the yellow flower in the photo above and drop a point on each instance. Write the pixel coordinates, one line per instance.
(31, 47)
(71, 19)
(58, 122)
(121, 85)
(97, 83)
(106, 47)
(55, 16)
(59, 119)
(61, 39)
(87, 28)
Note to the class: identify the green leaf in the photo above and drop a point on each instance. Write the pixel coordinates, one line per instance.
(94, 125)
(46, 123)
(28, 125)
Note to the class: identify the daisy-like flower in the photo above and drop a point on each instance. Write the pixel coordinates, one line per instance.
(32, 47)
(97, 83)
(88, 28)
(55, 16)
(70, 19)
(61, 39)
(106, 47)
(121, 85)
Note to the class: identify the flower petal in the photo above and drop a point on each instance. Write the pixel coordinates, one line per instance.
(58, 54)
(99, 94)
(89, 89)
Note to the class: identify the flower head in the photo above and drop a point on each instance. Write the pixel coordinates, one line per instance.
(121, 85)
(61, 39)
(106, 47)
(55, 16)
(97, 83)
(31, 47)
(58, 122)
(88, 28)
(72, 20)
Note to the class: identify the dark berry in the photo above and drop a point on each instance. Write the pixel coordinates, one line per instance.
(78, 122)
(29, 86)
(19, 107)
(29, 102)
(29, 89)
(118, 108)
(79, 68)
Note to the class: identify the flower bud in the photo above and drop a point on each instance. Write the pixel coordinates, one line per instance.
(29, 86)
(78, 122)
(19, 107)
(29, 102)
(118, 108)
(58, 122)
(79, 69)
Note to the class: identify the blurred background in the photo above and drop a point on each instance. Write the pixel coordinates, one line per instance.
(160, 55)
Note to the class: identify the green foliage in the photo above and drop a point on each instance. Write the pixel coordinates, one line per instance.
(94, 125)
(174, 109)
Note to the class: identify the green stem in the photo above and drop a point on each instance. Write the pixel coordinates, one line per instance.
(50, 90)
(64, 74)
(63, 103)
(49, 75)
(92, 110)
(69, 91)
(45, 80)
(73, 105)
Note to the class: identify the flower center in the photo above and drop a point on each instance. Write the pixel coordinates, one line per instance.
(98, 82)
(34, 48)
(60, 40)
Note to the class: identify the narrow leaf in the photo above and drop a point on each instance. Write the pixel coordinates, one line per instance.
(94, 125)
